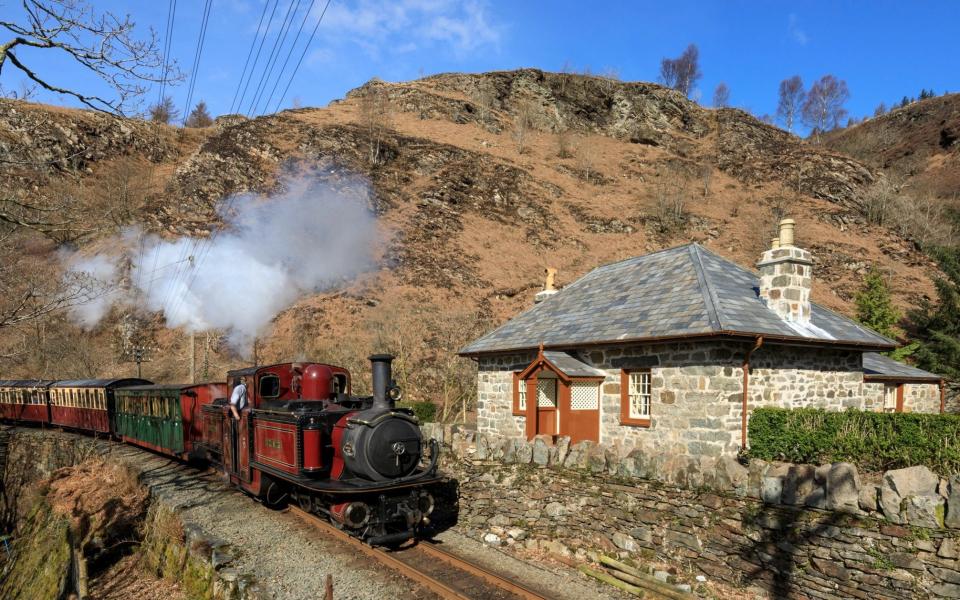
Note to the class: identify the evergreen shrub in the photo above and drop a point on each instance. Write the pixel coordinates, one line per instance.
(873, 441)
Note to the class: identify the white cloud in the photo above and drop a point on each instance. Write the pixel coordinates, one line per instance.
(382, 26)
(796, 32)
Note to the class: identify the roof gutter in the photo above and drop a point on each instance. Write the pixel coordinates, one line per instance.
(784, 339)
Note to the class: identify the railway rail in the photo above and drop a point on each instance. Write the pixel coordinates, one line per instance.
(445, 574)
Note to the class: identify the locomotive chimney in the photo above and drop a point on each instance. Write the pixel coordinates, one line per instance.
(382, 367)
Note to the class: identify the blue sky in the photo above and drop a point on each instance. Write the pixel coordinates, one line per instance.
(884, 50)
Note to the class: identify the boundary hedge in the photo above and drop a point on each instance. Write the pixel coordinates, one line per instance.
(873, 441)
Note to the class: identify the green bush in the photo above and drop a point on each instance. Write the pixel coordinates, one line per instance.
(873, 441)
(426, 412)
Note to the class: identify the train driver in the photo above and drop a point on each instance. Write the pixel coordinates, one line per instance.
(238, 399)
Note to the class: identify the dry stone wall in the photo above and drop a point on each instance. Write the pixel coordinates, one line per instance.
(798, 531)
(697, 391)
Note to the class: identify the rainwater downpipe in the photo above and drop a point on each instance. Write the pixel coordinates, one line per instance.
(746, 391)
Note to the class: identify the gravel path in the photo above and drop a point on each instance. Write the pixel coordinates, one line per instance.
(289, 561)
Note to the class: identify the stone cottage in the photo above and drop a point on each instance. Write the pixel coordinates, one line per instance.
(673, 350)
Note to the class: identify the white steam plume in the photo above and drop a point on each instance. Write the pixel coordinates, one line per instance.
(269, 253)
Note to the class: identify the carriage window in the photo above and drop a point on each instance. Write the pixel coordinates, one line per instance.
(339, 383)
(269, 386)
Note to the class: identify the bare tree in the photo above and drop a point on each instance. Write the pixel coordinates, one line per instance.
(375, 117)
(522, 124)
(99, 42)
(881, 109)
(683, 72)
(164, 111)
(199, 116)
(792, 96)
(565, 143)
(823, 108)
(721, 96)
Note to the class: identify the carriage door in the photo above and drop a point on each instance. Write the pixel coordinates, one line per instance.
(546, 403)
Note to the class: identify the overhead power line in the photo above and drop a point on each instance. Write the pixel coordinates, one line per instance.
(196, 59)
(268, 66)
(302, 55)
(246, 63)
(257, 57)
(286, 60)
(167, 41)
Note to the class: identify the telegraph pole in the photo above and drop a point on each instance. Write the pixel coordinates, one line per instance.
(193, 357)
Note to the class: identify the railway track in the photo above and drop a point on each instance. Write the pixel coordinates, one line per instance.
(445, 574)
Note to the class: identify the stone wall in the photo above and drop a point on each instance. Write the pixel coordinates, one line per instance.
(917, 397)
(797, 531)
(697, 391)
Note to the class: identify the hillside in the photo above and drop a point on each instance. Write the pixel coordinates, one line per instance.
(919, 144)
(469, 214)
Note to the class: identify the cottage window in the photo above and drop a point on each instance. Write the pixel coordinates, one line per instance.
(892, 397)
(519, 395)
(635, 397)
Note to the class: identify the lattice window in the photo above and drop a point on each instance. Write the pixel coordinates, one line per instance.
(639, 394)
(546, 393)
(584, 396)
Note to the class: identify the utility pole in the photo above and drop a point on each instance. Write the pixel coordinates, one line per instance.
(138, 354)
(193, 357)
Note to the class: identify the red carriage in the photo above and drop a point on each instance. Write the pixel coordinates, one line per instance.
(86, 403)
(24, 400)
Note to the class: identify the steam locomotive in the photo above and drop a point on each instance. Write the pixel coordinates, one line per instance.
(360, 461)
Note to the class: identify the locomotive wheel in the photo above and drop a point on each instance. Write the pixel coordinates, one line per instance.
(305, 502)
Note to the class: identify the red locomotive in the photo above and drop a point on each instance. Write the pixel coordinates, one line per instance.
(302, 437)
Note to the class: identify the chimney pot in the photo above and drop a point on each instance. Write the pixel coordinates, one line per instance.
(775, 243)
(786, 232)
(549, 286)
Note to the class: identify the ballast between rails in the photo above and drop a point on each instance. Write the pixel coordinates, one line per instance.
(433, 584)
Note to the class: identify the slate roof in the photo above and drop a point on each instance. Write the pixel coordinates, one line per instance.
(571, 366)
(880, 366)
(683, 291)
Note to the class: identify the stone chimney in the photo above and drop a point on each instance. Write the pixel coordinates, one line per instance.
(785, 276)
(549, 287)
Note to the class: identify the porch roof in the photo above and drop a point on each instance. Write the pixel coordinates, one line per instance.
(571, 366)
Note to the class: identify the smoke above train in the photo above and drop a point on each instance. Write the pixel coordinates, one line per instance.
(269, 252)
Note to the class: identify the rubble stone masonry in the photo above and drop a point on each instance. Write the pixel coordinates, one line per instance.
(697, 391)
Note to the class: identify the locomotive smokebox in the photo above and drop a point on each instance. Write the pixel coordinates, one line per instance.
(382, 366)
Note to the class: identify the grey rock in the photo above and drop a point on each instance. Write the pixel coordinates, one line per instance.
(843, 488)
(912, 481)
(555, 509)
(524, 453)
(898, 484)
(492, 539)
(562, 447)
(869, 498)
(949, 548)
(577, 456)
(924, 511)
(946, 590)
(644, 534)
(499, 520)
(541, 452)
(661, 576)
(953, 504)
(800, 482)
(596, 459)
(624, 542)
(731, 475)
(771, 489)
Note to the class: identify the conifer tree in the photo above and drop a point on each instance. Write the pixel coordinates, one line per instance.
(875, 307)
(200, 116)
(938, 325)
